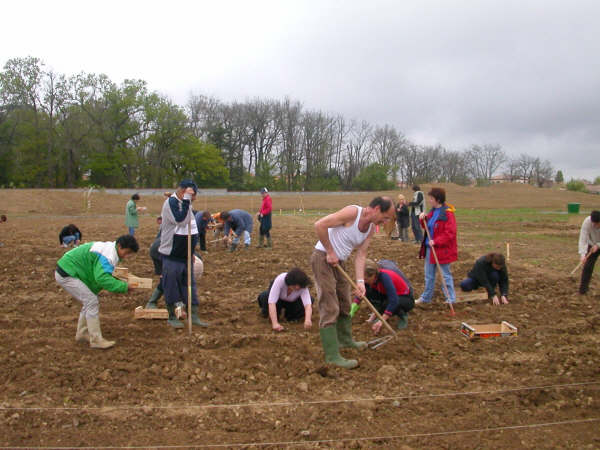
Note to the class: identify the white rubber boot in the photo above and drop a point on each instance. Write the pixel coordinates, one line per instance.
(82, 330)
(96, 339)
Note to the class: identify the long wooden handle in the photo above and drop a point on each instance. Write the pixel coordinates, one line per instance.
(189, 274)
(580, 263)
(364, 298)
(437, 263)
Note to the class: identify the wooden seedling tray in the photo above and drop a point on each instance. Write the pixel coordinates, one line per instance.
(141, 313)
(503, 329)
(122, 273)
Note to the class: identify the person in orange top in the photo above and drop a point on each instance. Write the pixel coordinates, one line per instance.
(264, 217)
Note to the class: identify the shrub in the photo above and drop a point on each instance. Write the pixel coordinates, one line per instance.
(576, 185)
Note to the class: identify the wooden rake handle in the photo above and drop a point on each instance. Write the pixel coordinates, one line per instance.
(365, 299)
(580, 263)
(437, 263)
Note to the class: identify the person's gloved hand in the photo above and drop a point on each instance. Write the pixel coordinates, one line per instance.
(355, 307)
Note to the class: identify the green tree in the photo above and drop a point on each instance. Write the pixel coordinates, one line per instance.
(201, 161)
(597, 180)
(373, 178)
(559, 177)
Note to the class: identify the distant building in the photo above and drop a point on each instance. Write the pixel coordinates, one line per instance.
(504, 178)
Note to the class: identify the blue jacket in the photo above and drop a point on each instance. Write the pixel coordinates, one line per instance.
(240, 221)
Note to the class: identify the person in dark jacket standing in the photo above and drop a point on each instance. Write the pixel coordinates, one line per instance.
(489, 271)
(69, 235)
(402, 218)
(176, 217)
(264, 217)
(417, 208)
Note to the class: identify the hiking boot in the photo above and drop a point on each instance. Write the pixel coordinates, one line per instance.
(332, 350)
(344, 334)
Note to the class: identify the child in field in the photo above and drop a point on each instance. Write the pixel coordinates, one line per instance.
(489, 271)
(69, 235)
(402, 218)
(85, 271)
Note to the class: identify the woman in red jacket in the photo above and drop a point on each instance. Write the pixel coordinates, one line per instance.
(442, 228)
(264, 217)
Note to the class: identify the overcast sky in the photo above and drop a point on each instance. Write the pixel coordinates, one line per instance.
(522, 74)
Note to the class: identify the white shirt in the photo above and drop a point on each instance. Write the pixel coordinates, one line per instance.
(589, 235)
(345, 239)
(279, 292)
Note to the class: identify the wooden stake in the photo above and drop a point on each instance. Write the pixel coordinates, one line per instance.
(507, 252)
(437, 263)
(189, 271)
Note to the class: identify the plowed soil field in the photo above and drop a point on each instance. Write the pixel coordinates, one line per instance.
(240, 384)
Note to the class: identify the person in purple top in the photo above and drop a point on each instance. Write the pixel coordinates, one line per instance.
(288, 292)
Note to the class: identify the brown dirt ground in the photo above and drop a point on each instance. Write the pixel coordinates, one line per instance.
(238, 383)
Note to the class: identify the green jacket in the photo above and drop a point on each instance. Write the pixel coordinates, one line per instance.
(131, 215)
(93, 263)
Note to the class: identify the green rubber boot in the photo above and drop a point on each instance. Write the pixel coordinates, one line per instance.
(261, 241)
(269, 243)
(402, 321)
(173, 320)
(195, 319)
(344, 334)
(156, 294)
(232, 248)
(331, 348)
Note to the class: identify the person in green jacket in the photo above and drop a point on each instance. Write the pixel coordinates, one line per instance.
(83, 272)
(131, 214)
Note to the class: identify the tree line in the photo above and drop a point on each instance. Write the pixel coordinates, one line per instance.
(67, 131)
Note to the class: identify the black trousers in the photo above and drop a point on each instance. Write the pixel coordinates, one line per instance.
(588, 269)
(293, 311)
(416, 227)
(203, 240)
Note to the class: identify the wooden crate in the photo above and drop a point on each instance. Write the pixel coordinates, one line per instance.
(503, 329)
(122, 273)
(141, 313)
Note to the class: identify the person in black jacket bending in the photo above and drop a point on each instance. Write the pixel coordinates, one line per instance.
(489, 271)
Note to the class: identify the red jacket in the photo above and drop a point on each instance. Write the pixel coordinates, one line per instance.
(444, 237)
(267, 205)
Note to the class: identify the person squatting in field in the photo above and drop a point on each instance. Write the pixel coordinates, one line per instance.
(589, 246)
(489, 271)
(86, 270)
(390, 292)
(69, 235)
(339, 234)
(288, 292)
(442, 228)
(240, 222)
(264, 217)
(177, 216)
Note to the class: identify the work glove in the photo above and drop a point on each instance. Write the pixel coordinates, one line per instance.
(355, 307)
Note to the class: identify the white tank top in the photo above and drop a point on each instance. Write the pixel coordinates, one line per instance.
(345, 239)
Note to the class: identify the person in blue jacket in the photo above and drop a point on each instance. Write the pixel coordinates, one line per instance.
(240, 222)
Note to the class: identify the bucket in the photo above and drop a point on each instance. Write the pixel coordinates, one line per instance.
(573, 208)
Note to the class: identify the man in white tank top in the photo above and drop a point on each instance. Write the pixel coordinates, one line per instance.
(339, 234)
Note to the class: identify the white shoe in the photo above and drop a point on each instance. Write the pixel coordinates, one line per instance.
(420, 301)
(64, 245)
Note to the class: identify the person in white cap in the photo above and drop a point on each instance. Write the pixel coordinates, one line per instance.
(264, 217)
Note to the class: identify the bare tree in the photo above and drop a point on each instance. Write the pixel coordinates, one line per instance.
(485, 160)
